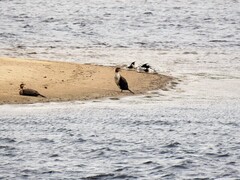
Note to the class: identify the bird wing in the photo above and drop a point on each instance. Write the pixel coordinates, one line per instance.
(123, 83)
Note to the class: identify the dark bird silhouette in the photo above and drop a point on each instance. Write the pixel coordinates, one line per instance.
(29, 92)
(146, 69)
(146, 65)
(121, 81)
(149, 70)
(132, 65)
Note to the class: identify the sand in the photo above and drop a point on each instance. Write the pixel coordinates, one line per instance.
(63, 81)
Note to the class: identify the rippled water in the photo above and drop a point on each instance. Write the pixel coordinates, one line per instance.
(130, 139)
(188, 131)
(42, 27)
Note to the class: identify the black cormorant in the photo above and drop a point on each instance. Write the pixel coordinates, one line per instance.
(121, 81)
(132, 65)
(146, 65)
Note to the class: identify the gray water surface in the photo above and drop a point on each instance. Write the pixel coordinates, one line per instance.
(124, 140)
(48, 29)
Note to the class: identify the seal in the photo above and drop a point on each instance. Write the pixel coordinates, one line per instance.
(29, 92)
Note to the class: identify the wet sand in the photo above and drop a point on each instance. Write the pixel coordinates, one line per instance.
(64, 81)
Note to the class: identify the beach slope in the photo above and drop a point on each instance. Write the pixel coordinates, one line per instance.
(63, 81)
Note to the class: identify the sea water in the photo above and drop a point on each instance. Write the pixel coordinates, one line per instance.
(190, 130)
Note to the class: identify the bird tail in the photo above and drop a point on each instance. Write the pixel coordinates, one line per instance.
(131, 91)
(42, 96)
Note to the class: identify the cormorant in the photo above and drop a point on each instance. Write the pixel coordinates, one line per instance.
(28, 92)
(146, 65)
(132, 65)
(144, 69)
(121, 81)
(149, 70)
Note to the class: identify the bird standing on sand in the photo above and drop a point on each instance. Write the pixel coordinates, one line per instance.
(121, 81)
(28, 92)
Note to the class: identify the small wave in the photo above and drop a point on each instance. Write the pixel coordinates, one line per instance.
(29, 171)
(54, 155)
(7, 35)
(80, 140)
(148, 162)
(9, 154)
(49, 172)
(148, 13)
(27, 26)
(141, 43)
(180, 166)
(7, 148)
(218, 41)
(223, 155)
(99, 176)
(168, 176)
(102, 44)
(158, 168)
(123, 176)
(210, 154)
(7, 140)
(193, 52)
(46, 140)
(231, 163)
(50, 20)
(121, 169)
(173, 145)
(109, 176)
(121, 46)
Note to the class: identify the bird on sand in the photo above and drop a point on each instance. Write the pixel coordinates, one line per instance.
(28, 92)
(149, 70)
(132, 65)
(145, 68)
(121, 81)
(146, 65)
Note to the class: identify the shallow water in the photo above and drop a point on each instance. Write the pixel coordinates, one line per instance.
(190, 130)
(127, 139)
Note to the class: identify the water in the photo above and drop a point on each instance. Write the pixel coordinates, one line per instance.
(190, 131)
(124, 140)
(48, 28)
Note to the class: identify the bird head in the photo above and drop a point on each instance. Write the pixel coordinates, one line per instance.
(118, 69)
(22, 85)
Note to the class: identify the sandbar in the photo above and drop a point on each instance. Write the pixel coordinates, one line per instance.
(67, 81)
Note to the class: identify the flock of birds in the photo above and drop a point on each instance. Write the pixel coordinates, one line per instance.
(142, 68)
(119, 80)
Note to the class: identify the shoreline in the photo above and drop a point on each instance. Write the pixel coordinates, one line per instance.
(68, 81)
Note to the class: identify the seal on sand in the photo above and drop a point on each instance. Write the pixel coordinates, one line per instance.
(29, 92)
